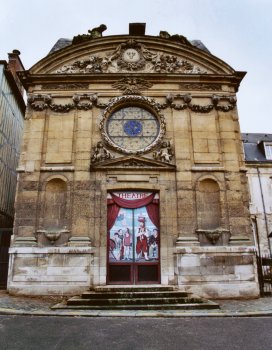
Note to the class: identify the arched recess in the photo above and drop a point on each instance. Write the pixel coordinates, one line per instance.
(208, 204)
(54, 195)
(55, 201)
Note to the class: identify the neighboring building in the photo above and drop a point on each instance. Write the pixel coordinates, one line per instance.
(12, 110)
(258, 158)
(132, 170)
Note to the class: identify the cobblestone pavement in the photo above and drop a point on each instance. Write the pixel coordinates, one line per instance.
(41, 306)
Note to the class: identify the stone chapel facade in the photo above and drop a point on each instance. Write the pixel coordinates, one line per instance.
(132, 170)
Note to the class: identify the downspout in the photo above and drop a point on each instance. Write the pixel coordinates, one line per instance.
(264, 211)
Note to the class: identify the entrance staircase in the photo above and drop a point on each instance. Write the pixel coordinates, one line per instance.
(136, 298)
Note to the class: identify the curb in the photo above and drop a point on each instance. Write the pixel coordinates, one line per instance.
(175, 314)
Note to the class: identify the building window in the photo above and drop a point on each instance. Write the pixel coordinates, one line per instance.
(268, 150)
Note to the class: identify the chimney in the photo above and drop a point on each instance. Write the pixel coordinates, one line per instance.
(136, 28)
(15, 65)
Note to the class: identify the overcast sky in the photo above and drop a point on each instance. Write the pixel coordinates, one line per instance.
(237, 31)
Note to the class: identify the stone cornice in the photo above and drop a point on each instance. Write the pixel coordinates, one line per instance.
(233, 80)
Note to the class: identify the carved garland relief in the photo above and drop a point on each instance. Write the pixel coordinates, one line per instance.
(224, 103)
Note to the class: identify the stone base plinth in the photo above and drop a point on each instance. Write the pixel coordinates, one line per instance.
(50, 270)
(218, 272)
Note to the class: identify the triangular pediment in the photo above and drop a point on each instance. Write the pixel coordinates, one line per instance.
(132, 163)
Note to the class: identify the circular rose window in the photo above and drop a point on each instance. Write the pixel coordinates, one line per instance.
(132, 128)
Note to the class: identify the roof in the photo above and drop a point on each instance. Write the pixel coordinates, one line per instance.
(254, 147)
(64, 42)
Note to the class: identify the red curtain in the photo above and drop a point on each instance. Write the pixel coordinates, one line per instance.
(153, 213)
(132, 204)
(152, 207)
(113, 211)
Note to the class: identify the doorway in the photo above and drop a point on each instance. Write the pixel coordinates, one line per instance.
(133, 249)
(5, 235)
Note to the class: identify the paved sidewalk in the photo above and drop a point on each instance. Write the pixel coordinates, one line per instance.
(40, 306)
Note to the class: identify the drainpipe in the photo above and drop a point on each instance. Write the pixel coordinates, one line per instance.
(264, 211)
(256, 234)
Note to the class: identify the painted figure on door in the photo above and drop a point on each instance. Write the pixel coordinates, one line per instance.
(142, 239)
(153, 243)
(127, 244)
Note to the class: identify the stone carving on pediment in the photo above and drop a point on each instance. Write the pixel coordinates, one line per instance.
(93, 34)
(100, 153)
(221, 103)
(132, 56)
(165, 152)
(176, 37)
(40, 102)
(132, 86)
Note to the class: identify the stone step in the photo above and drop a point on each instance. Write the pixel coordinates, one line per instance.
(154, 297)
(133, 288)
(134, 294)
(194, 306)
(133, 301)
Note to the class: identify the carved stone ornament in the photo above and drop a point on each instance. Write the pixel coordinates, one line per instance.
(132, 162)
(201, 87)
(71, 86)
(214, 235)
(165, 153)
(132, 56)
(85, 102)
(100, 153)
(129, 130)
(132, 86)
(176, 37)
(218, 102)
(93, 34)
(54, 234)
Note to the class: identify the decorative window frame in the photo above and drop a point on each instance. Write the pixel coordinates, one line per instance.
(129, 101)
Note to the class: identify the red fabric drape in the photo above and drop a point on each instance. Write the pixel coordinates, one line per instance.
(152, 207)
(153, 213)
(113, 211)
(133, 204)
